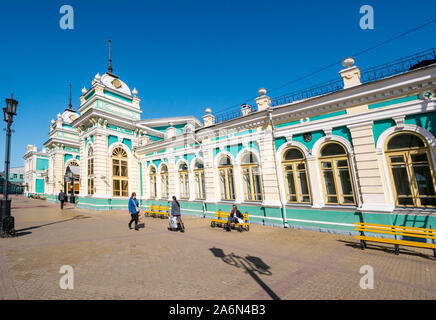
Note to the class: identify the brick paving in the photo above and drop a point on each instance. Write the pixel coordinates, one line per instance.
(112, 262)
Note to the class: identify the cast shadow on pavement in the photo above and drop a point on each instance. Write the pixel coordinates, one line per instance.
(19, 231)
(387, 249)
(251, 264)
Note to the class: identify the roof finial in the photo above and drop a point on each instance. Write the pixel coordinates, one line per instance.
(110, 60)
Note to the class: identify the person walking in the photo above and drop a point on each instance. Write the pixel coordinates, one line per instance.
(234, 216)
(61, 197)
(175, 212)
(133, 211)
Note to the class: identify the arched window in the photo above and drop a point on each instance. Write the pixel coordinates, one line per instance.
(183, 181)
(411, 171)
(336, 174)
(152, 182)
(90, 171)
(120, 178)
(227, 187)
(200, 188)
(295, 176)
(164, 181)
(251, 178)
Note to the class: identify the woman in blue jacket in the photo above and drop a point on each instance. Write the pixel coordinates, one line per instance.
(133, 211)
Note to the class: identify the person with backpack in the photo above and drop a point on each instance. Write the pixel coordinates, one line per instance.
(133, 211)
(175, 212)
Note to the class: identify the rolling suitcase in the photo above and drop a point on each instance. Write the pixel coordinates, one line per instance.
(173, 223)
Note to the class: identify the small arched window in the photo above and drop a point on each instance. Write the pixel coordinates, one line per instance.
(120, 178)
(164, 181)
(251, 177)
(295, 176)
(411, 171)
(336, 174)
(183, 181)
(199, 180)
(152, 182)
(227, 187)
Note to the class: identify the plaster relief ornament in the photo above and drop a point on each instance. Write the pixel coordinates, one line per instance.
(84, 90)
(117, 83)
(134, 92)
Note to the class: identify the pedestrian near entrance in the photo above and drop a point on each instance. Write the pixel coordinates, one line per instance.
(175, 212)
(234, 216)
(61, 197)
(133, 211)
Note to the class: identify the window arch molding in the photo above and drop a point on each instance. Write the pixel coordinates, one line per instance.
(244, 151)
(384, 137)
(296, 144)
(161, 165)
(193, 161)
(332, 138)
(221, 154)
(121, 145)
(180, 161)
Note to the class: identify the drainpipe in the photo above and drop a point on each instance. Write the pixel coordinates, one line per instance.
(283, 204)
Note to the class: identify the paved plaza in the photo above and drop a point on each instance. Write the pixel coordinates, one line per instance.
(112, 262)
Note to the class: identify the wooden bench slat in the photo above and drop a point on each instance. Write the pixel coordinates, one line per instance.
(407, 234)
(388, 226)
(393, 241)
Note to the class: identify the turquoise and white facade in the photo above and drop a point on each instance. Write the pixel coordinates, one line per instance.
(365, 152)
(35, 170)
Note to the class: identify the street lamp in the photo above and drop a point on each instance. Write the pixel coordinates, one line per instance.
(70, 176)
(6, 220)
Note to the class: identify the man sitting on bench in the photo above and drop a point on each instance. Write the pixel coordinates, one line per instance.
(234, 216)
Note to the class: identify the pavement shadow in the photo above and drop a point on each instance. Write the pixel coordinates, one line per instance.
(252, 265)
(80, 216)
(386, 249)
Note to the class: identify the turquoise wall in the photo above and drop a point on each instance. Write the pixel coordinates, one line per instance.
(41, 164)
(39, 185)
(425, 120)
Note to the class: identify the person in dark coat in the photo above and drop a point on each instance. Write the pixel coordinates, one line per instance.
(175, 212)
(233, 217)
(61, 197)
(133, 211)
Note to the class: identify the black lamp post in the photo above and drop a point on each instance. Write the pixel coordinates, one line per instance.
(6, 221)
(71, 178)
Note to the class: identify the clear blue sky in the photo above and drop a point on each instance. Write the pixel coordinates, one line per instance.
(183, 56)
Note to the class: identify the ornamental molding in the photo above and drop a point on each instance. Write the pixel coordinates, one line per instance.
(359, 119)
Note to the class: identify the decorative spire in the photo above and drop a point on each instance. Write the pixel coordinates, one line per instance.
(70, 106)
(110, 69)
